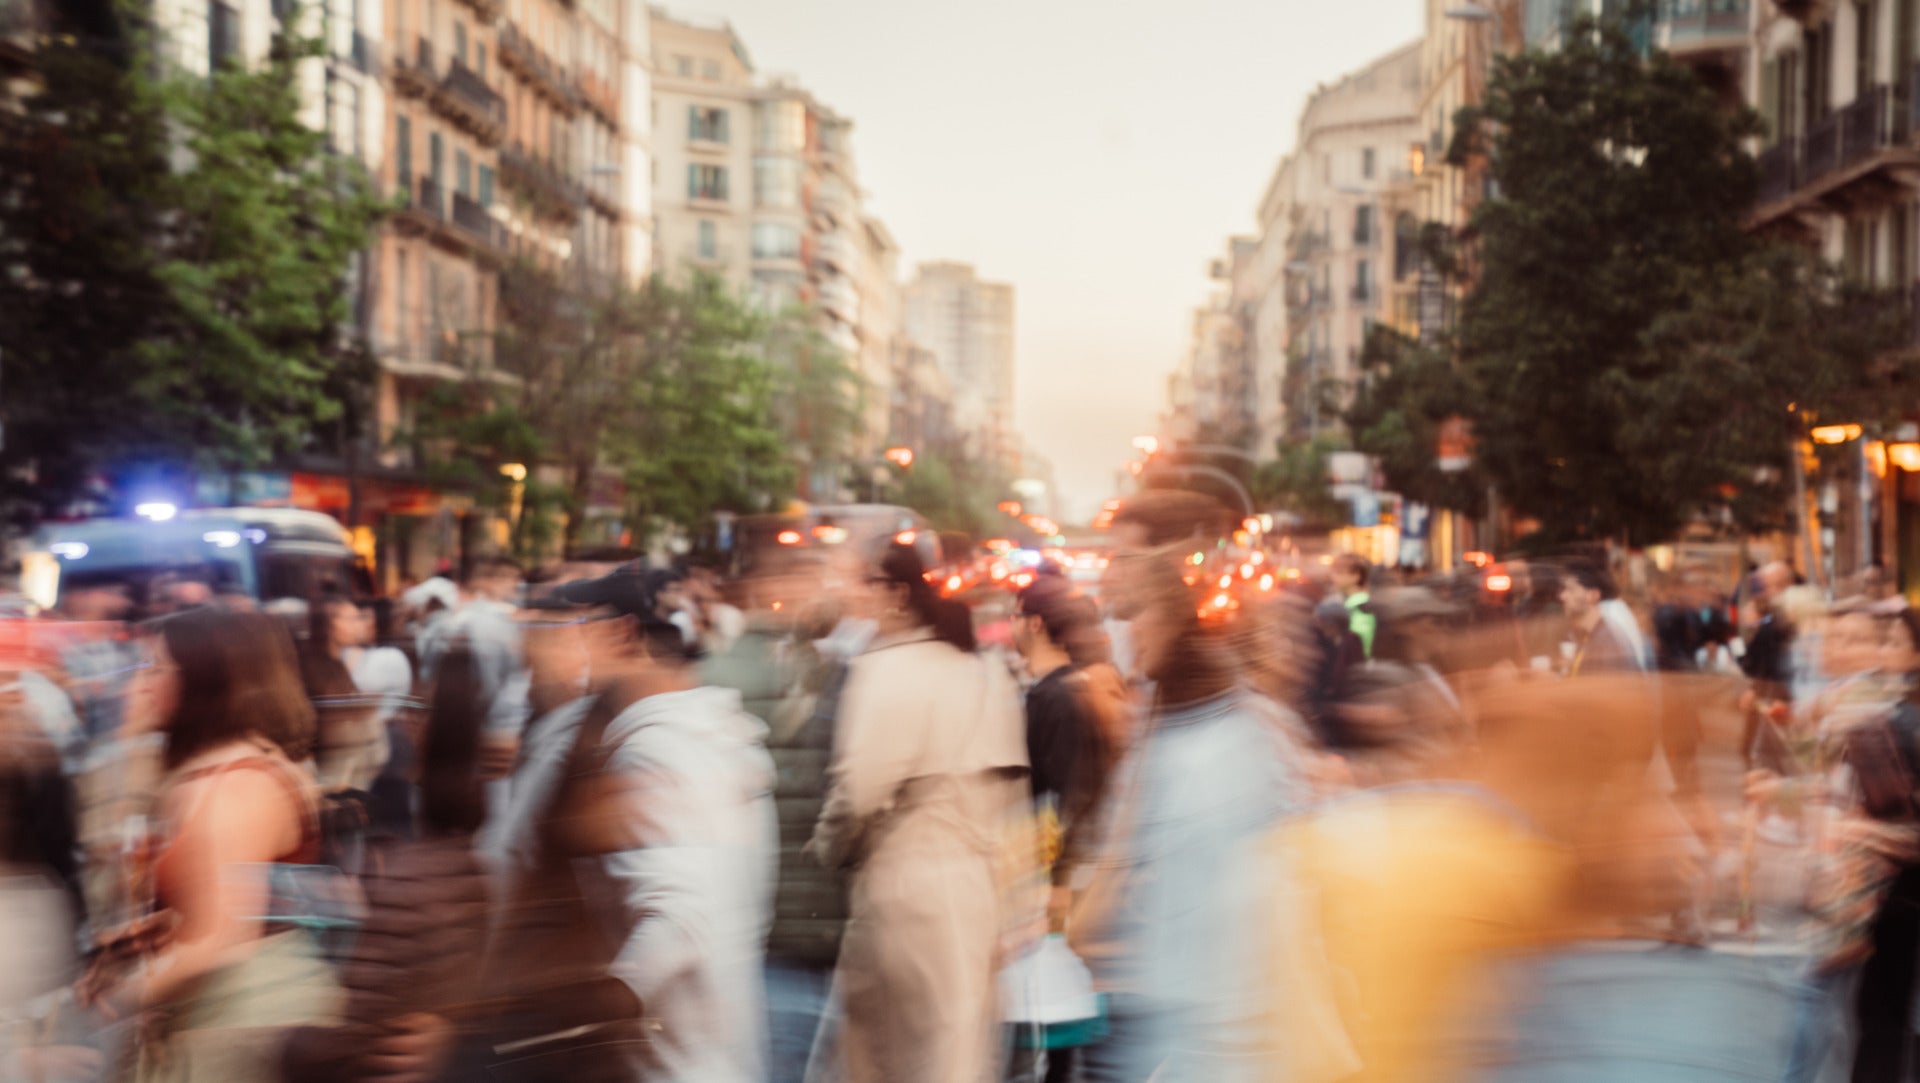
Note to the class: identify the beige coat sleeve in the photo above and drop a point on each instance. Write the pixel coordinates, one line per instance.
(877, 738)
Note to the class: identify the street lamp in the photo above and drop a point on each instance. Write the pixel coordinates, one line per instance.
(1147, 445)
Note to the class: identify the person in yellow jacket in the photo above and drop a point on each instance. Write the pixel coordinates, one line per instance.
(1400, 904)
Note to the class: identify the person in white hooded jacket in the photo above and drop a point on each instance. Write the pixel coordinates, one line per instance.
(678, 816)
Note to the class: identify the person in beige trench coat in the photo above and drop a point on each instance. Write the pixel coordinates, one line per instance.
(928, 776)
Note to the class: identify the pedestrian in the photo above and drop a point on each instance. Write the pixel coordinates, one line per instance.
(1594, 643)
(929, 772)
(1767, 662)
(224, 689)
(1350, 574)
(663, 811)
(1168, 915)
(1075, 707)
(414, 971)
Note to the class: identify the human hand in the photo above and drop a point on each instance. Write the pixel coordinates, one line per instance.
(412, 1050)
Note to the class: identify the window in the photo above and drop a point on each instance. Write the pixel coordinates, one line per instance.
(1819, 75)
(776, 183)
(480, 60)
(707, 124)
(403, 152)
(462, 173)
(486, 186)
(1865, 46)
(775, 240)
(1363, 280)
(1366, 163)
(783, 127)
(709, 240)
(683, 66)
(707, 182)
(710, 70)
(460, 41)
(223, 34)
(436, 169)
(1363, 225)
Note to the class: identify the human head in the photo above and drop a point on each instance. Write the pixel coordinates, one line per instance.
(1052, 613)
(1350, 573)
(902, 597)
(214, 676)
(494, 578)
(95, 601)
(1901, 656)
(1772, 579)
(620, 623)
(335, 623)
(1852, 644)
(1148, 528)
(1173, 648)
(1582, 588)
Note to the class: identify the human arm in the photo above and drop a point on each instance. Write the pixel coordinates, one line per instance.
(872, 756)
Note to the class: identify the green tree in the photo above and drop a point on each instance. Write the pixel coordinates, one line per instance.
(705, 393)
(1596, 353)
(179, 247)
(1296, 481)
(1405, 393)
(819, 396)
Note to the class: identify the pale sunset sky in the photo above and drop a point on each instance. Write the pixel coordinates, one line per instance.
(1094, 153)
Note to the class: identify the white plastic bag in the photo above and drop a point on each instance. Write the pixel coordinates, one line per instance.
(1048, 986)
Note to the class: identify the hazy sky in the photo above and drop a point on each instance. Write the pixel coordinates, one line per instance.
(1094, 153)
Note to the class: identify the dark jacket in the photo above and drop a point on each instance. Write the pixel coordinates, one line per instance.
(419, 951)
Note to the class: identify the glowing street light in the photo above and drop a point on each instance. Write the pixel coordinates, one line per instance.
(901, 457)
(1147, 445)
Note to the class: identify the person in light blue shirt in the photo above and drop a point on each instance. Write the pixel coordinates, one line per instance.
(1179, 953)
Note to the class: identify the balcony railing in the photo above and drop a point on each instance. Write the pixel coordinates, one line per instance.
(1705, 22)
(551, 78)
(473, 92)
(471, 216)
(1779, 171)
(554, 191)
(432, 199)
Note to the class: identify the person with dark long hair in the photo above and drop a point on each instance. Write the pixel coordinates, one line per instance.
(416, 961)
(929, 768)
(224, 688)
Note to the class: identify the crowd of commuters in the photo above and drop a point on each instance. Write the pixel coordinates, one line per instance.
(606, 826)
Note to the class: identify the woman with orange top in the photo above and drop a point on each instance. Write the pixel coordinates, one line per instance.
(221, 981)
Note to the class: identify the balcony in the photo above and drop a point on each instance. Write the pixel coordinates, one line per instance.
(477, 222)
(488, 10)
(835, 251)
(601, 96)
(467, 99)
(1362, 293)
(553, 81)
(413, 76)
(460, 222)
(551, 192)
(1692, 27)
(19, 32)
(1857, 156)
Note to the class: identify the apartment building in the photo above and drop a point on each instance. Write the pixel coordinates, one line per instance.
(967, 323)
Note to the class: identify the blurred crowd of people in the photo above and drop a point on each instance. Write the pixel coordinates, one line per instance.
(605, 825)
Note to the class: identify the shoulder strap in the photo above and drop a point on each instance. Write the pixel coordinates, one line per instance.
(587, 758)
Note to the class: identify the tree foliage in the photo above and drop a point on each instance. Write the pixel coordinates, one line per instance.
(176, 250)
(1296, 482)
(1628, 351)
(699, 401)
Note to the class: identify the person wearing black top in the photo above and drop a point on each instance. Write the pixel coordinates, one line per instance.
(1057, 630)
